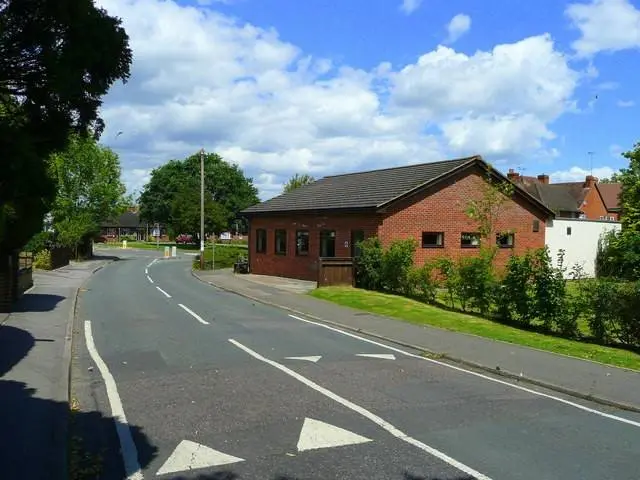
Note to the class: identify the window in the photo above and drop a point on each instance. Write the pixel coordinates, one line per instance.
(281, 242)
(357, 236)
(602, 217)
(261, 240)
(432, 239)
(505, 240)
(568, 230)
(536, 225)
(470, 240)
(302, 242)
(328, 243)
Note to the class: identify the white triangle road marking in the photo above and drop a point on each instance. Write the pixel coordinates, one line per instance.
(384, 356)
(191, 455)
(313, 358)
(316, 434)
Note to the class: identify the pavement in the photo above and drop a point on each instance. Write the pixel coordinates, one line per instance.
(203, 383)
(584, 379)
(35, 354)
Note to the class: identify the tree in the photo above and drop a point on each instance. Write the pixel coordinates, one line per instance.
(487, 208)
(298, 181)
(185, 212)
(57, 59)
(89, 189)
(225, 185)
(630, 193)
(615, 178)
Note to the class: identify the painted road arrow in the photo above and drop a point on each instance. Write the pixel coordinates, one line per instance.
(384, 356)
(313, 358)
(191, 455)
(316, 434)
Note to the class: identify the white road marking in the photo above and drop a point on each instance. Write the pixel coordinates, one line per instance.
(313, 358)
(127, 446)
(383, 356)
(193, 314)
(365, 413)
(149, 278)
(152, 262)
(316, 434)
(163, 292)
(476, 374)
(191, 455)
(146, 271)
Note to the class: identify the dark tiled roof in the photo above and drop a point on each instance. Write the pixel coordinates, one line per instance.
(610, 193)
(127, 220)
(559, 197)
(359, 190)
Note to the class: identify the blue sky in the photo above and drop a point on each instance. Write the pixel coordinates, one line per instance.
(323, 87)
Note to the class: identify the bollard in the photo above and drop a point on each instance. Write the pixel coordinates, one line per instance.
(174, 251)
(124, 244)
(166, 252)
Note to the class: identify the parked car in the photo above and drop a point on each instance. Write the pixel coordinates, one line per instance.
(184, 239)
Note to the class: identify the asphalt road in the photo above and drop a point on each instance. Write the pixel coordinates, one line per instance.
(214, 386)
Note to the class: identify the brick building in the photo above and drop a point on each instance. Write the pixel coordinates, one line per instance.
(289, 233)
(588, 200)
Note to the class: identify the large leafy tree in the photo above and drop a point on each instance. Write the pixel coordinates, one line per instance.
(630, 193)
(297, 181)
(173, 193)
(57, 60)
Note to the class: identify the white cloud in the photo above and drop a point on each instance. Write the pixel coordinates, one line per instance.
(605, 25)
(576, 174)
(410, 6)
(458, 26)
(262, 103)
(626, 103)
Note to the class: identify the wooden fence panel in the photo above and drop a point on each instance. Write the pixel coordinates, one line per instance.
(336, 271)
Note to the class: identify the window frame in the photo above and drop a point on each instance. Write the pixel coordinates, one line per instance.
(299, 234)
(475, 234)
(511, 235)
(321, 234)
(261, 238)
(276, 233)
(439, 236)
(536, 226)
(569, 231)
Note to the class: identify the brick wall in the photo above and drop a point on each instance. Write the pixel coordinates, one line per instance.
(304, 267)
(594, 207)
(443, 210)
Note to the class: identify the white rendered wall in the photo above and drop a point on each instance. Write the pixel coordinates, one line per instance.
(581, 245)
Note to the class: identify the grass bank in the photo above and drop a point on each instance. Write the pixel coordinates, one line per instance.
(419, 313)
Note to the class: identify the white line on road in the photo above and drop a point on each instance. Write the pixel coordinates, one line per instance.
(146, 271)
(193, 314)
(163, 292)
(476, 374)
(365, 413)
(127, 446)
(149, 278)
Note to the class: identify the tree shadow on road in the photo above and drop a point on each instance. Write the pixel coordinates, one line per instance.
(34, 438)
(229, 475)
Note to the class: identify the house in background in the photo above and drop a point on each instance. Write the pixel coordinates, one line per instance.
(427, 202)
(589, 199)
(585, 211)
(129, 224)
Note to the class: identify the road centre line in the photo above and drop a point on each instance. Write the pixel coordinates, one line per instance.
(163, 292)
(476, 374)
(127, 446)
(193, 314)
(149, 278)
(365, 413)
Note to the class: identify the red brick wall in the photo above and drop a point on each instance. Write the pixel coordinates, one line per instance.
(594, 207)
(443, 210)
(304, 267)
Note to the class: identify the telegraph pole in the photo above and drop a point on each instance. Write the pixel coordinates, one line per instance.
(202, 209)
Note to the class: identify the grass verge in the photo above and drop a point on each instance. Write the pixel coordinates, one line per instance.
(419, 313)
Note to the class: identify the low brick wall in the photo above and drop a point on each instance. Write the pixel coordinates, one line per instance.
(8, 282)
(60, 257)
(25, 280)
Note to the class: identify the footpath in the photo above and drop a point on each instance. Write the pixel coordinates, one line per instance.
(35, 354)
(612, 386)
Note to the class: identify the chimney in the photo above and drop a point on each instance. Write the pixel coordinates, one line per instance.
(544, 179)
(590, 181)
(513, 175)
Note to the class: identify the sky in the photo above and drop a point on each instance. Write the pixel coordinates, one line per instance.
(326, 87)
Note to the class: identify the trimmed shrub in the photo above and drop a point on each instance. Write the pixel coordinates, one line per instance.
(476, 282)
(226, 256)
(422, 284)
(42, 260)
(369, 264)
(397, 261)
(515, 296)
(40, 241)
(550, 295)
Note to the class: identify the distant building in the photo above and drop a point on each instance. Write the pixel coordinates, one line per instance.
(129, 224)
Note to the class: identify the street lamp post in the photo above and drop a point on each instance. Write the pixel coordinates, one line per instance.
(202, 209)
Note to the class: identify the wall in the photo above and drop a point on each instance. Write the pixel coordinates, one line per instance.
(304, 267)
(444, 210)
(593, 206)
(580, 247)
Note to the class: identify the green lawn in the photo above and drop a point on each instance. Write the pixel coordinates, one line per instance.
(419, 313)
